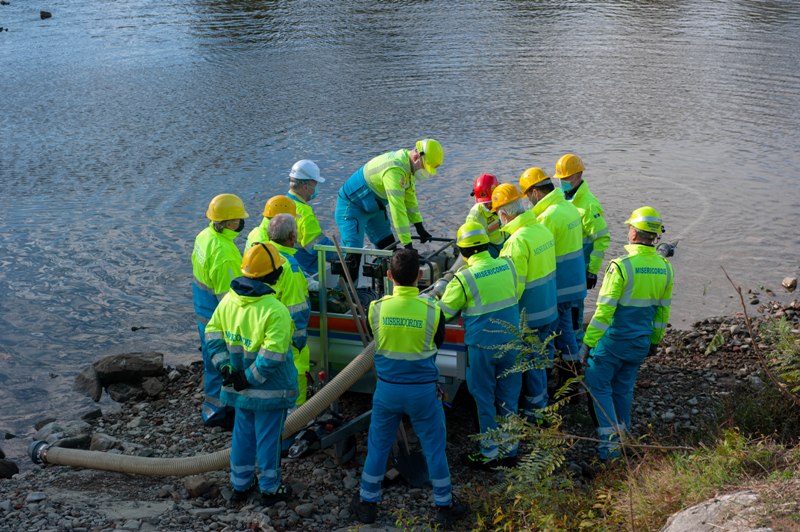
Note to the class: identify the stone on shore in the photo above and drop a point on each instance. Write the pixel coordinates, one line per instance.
(129, 367)
(122, 392)
(728, 512)
(70, 434)
(789, 283)
(88, 383)
(8, 469)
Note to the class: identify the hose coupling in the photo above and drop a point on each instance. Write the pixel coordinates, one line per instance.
(38, 452)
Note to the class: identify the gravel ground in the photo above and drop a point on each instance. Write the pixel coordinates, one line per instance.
(675, 397)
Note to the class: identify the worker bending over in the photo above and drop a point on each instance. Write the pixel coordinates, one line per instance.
(531, 248)
(485, 293)
(408, 330)
(215, 263)
(249, 338)
(303, 181)
(482, 213)
(630, 321)
(292, 289)
(274, 206)
(596, 239)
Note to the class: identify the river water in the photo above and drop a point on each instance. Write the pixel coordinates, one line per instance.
(120, 120)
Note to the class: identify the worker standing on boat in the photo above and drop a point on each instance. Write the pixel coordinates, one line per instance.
(304, 179)
(482, 213)
(485, 293)
(408, 330)
(215, 262)
(531, 248)
(388, 180)
(275, 205)
(596, 239)
(631, 317)
(563, 219)
(292, 291)
(249, 338)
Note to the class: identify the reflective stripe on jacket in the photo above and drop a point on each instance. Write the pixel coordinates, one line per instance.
(635, 297)
(292, 288)
(389, 177)
(252, 330)
(486, 290)
(489, 220)
(596, 237)
(564, 221)
(258, 234)
(532, 250)
(404, 326)
(215, 263)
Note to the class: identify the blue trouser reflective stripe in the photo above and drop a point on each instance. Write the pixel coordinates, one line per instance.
(536, 379)
(565, 341)
(358, 210)
(204, 305)
(257, 440)
(493, 395)
(610, 377)
(420, 403)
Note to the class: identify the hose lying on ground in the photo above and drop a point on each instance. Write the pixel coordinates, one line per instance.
(42, 453)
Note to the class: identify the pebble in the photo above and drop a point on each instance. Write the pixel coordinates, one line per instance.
(35, 496)
(304, 510)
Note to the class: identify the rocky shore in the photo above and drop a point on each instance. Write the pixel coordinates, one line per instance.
(677, 395)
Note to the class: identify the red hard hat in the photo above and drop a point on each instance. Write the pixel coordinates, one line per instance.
(483, 187)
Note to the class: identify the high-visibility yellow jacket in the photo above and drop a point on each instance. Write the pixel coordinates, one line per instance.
(635, 297)
(596, 238)
(404, 325)
(216, 261)
(293, 292)
(258, 234)
(252, 330)
(491, 222)
(390, 178)
(484, 291)
(564, 221)
(531, 248)
(309, 234)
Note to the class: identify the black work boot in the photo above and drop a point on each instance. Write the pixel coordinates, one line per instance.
(240, 496)
(283, 493)
(446, 516)
(366, 512)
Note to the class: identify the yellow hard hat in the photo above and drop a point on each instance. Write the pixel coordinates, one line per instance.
(569, 165)
(504, 194)
(531, 177)
(432, 154)
(226, 207)
(471, 234)
(279, 205)
(646, 219)
(260, 260)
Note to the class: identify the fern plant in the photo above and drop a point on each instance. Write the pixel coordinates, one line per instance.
(784, 356)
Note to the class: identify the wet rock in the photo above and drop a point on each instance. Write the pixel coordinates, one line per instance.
(8, 468)
(70, 434)
(41, 423)
(754, 301)
(129, 367)
(5, 3)
(91, 415)
(152, 387)
(88, 383)
(198, 485)
(45, 15)
(102, 442)
(789, 283)
(122, 392)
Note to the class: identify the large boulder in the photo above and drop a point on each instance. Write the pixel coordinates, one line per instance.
(71, 434)
(122, 392)
(129, 367)
(8, 469)
(88, 383)
(733, 511)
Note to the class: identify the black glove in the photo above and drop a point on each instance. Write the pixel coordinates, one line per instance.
(424, 236)
(410, 246)
(591, 280)
(226, 371)
(238, 380)
(653, 349)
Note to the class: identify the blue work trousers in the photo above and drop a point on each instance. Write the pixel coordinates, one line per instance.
(494, 395)
(257, 440)
(578, 327)
(610, 377)
(359, 211)
(565, 341)
(536, 379)
(420, 402)
(213, 411)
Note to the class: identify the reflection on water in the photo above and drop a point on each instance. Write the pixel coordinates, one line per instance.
(121, 120)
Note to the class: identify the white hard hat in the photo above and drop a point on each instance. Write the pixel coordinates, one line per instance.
(305, 169)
